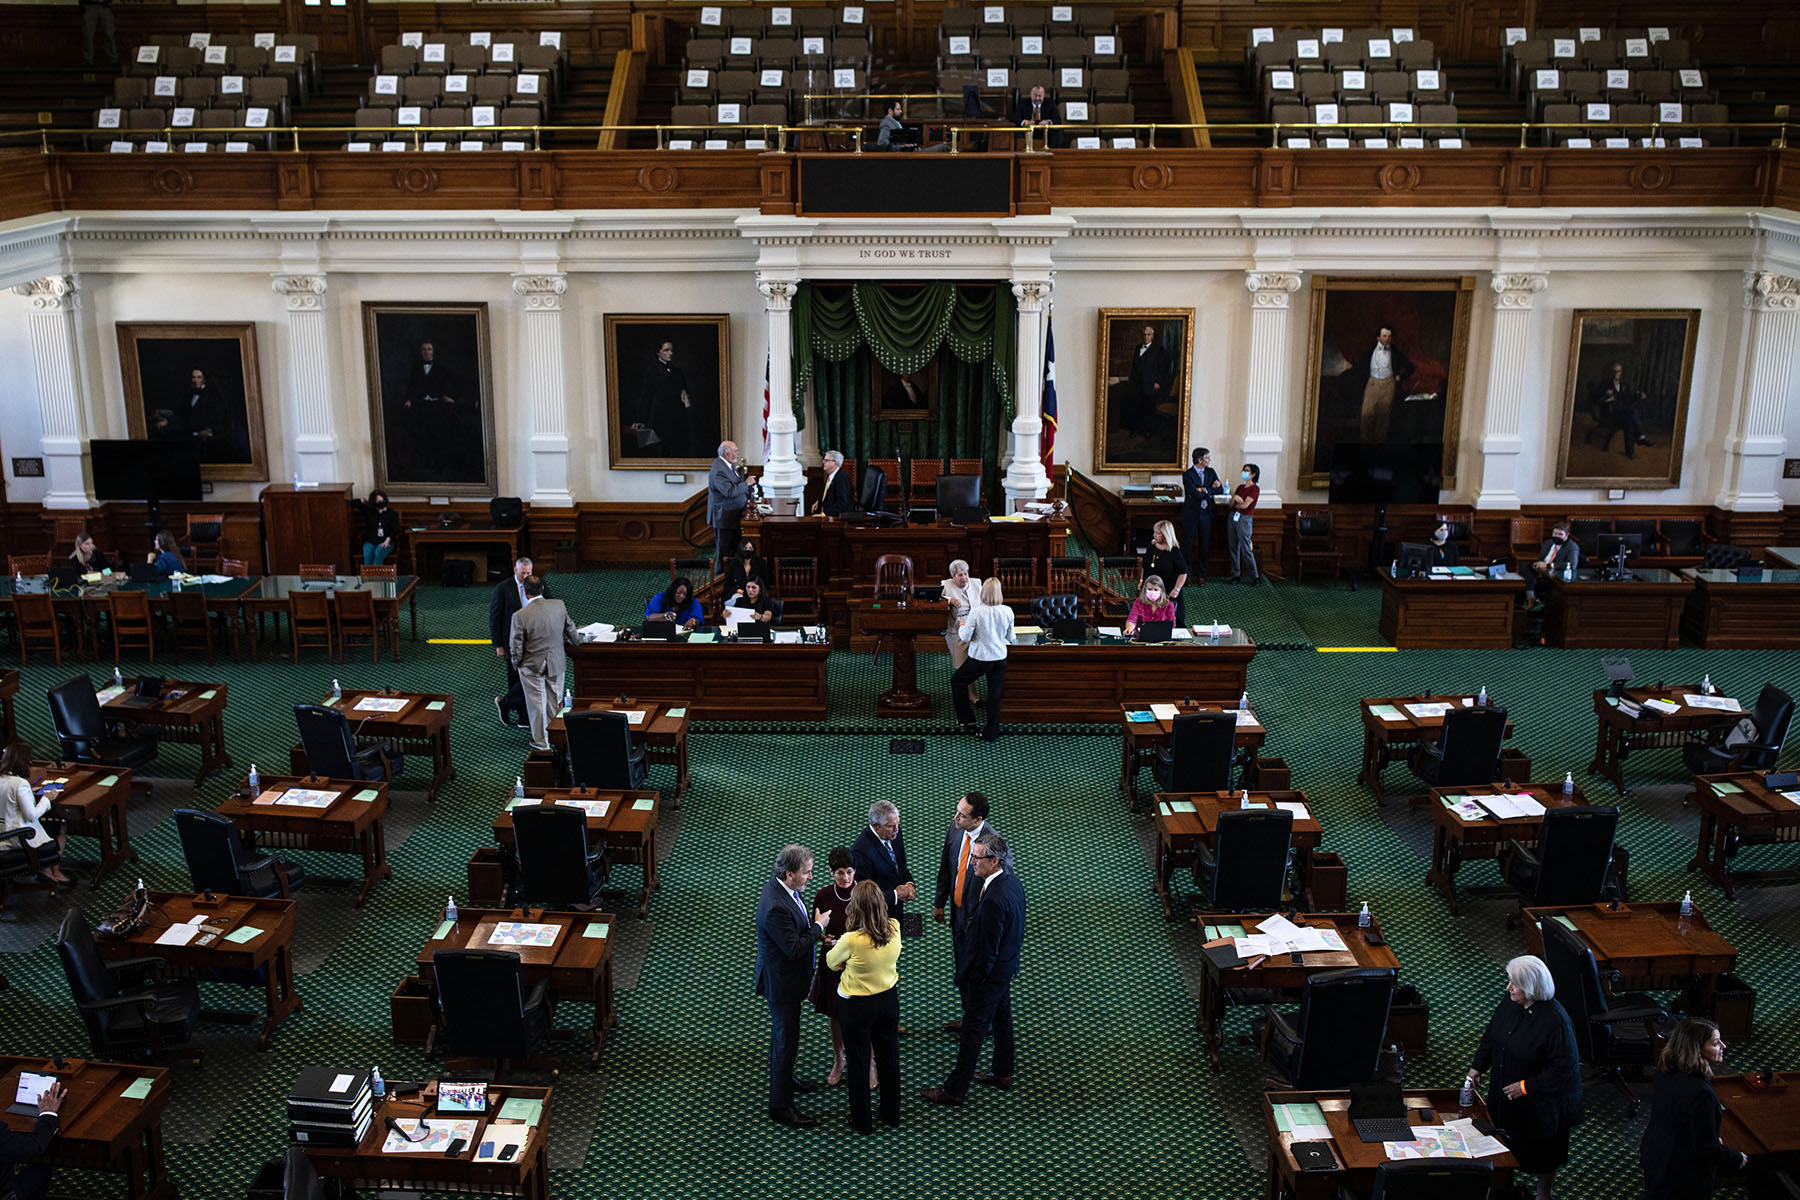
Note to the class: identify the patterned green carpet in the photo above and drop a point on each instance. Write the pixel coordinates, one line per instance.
(1112, 1098)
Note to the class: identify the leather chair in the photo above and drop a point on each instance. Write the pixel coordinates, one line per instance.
(22, 864)
(1721, 557)
(219, 861)
(1585, 532)
(127, 1005)
(1431, 1179)
(298, 1179)
(1773, 714)
(1198, 757)
(1335, 1039)
(483, 1007)
(873, 497)
(555, 867)
(1611, 1031)
(1245, 870)
(1570, 863)
(1314, 545)
(82, 733)
(1682, 538)
(601, 753)
(1466, 752)
(1058, 606)
(331, 750)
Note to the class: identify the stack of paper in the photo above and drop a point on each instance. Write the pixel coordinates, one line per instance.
(1429, 1141)
(1246, 717)
(1665, 707)
(1387, 712)
(1478, 1144)
(1163, 712)
(1427, 709)
(1286, 936)
(439, 1134)
(593, 808)
(1305, 1121)
(785, 637)
(735, 616)
(1179, 634)
(1110, 631)
(1513, 805)
(599, 631)
(1298, 809)
(386, 704)
(1213, 630)
(1466, 807)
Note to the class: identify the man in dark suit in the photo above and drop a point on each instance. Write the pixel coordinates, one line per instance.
(434, 407)
(985, 974)
(726, 492)
(1558, 554)
(196, 414)
(509, 598)
(956, 881)
(1147, 385)
(880, 855)
(1035, 111)
(1614, 401)
(21, 1175)
(1200, 487)
(837, 498)
(785, 938)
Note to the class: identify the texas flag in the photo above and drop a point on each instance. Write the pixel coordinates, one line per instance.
(1047, 438)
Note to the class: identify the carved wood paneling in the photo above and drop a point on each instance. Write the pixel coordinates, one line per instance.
(631, 532)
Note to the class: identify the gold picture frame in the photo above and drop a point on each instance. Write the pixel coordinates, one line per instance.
(432, 430)
(1642, 406)
(1142, 417)
(157, 365)
(647, 429)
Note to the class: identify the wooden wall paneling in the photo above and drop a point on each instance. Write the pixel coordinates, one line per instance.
(648, 179)
(27, 183)
(169, 181)
(631, 532)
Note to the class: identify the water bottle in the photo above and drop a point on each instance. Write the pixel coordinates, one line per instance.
(518, 787)
(296, 481)
(175, 582)
(450, 910)
(377, 1084)
(1212, 633)
(1482, 698)
(1466, 1097)
(1364, 918)
(1687, 904)
(568, 698)
(1568, 571)
(337, 691)
(255, 782)
(1568, 783)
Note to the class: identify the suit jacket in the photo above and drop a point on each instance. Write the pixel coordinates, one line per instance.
(501, 609)
(784, 946)
(872, 862)
(946, 876)
(838, 497)
(426, 387)
(1199, 488)
(539, 632)
(1681, 1152)
(1022, 111)
(1403, 367)
(725, 493)
(1149, 369)
(20, 1148)
(1567, 555)
(996, 932)
(1445, 555)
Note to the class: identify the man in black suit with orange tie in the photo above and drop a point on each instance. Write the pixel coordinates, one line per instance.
(22, 1176)
(1200, 489)
(985, 975)
(785, 936)
(956, 880)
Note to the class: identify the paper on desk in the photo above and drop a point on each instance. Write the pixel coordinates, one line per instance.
(139, 1089)
(1663, 706)
(443, 930)
(1246, 717)
(308, 798)
(1721, 703)
(610, 636)
(524, 933)
(246, 933)
(1429, 1141)
(1791, 797)
(366, 795)
(1466, 807)
(1725, 787)
(380, 704)
(1212, 630)
(1305, 1121)
(1163, 712)
(1254, 946)
(520, 1108)
(1110, 631)
(109, 781)
(177, 935)
(435, 706)
(1512, 805)
(496, 1138)
(1295, 807)
(1478, 1144)
(596, 929)
(678, 713)
(734, 615)
(633, 716)
(785, 637)
(593, 808)
(1182, 806)
(1179, 634)
(1031, 516)
(1277, 926)
(439, 1134)
(108, 693)
(215, 579)
(1166, 810)
(644, 805)
(1425, 710)
(702, 637)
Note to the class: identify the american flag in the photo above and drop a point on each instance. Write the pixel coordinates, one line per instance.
(765, 430)
(1047, 438)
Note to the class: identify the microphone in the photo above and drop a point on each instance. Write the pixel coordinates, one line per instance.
(420, 1129)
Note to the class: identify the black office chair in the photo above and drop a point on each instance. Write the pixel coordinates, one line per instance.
(1058, 606)
(1720, 557)
(483, 1008)
(82, 732)
(1246, 868)
(22, 864)
(1570, 863)
(602, 753)
(1611, 1032)
(873, 497)
(1198, 756)
(128, 1005)
(1773, 713)
(1683, 538)
(1430, 1179)
(298, 1179)
(1336, 1037)
(1466, 752)
(220, 862)
(331, 749)
(555, 867)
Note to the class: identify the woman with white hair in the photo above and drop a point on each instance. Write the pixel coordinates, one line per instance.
(1534, 1094)
(961, 594)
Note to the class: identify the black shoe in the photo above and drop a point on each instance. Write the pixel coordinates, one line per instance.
(953, 1026)
(933, 1095)
(793, 1116)
(500, 707)
(991, 736)
(807, 1085)
(1644, 441)
(1003, 1082)
(970, 727)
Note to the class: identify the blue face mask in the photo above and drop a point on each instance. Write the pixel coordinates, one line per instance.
(1246, 477)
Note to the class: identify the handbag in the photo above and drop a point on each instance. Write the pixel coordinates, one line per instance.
(133, 914)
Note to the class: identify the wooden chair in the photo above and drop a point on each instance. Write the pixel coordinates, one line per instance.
(29, 565)
(67, 530)
(925, 472)
(129, 614)
(356, 619)
(318, 570)
(34, 618)
(380, 571)
(1018, 577)
(1314, 545)
(797, 583)
(1524, 536)
(309, 619)
(237, 568)
(192, 620)
(204, 541)
(696, 571)
(894, 577)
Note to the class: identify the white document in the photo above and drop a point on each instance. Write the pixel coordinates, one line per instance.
(1181, 635)
(1295, 807)
(594, 632)
(632, 717)
(1111, 631)
(1278, 927)
(1425, 710)
(177, 935)
(1246, 717)
(734, 616)
(381, 704)
(785, 637)
(1163, 712)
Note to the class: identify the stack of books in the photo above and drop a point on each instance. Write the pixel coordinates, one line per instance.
(330, 1107)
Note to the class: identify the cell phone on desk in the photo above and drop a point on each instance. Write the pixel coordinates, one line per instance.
(506, 1155)
(456, 1148)
(1296, 958)
(486, 1151)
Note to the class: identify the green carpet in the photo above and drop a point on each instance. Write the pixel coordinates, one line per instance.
(1112, 1098)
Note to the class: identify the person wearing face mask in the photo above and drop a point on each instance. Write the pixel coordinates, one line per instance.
(1243, 518)
(961, 593)
(834, 900)
(1165, 559)
(1150, 605)
(744, 566)
(1443, 550)
(1682, 1152)
(381, 525)
(1558, 554)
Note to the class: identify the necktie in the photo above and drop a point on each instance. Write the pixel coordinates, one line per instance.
(962, 869)
(801, 903)
(889, 847)
(1551, 557)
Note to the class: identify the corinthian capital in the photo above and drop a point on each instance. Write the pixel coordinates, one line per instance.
(1516, 290)
(54, 293)
(542, 293)
(1765, 291)
(305, 293)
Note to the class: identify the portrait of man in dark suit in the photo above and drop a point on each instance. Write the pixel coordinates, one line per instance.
(430, 395)
(1145, 376)
(197, 383)
(668, 389)
(1626, 397)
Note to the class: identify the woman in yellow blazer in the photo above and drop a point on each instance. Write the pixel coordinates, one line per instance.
(868, 1003)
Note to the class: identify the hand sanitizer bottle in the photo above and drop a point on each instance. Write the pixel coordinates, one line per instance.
(296, 481)
(568, 698)
(1244, 702)
(1482, 698)
(450, 909)
(255, 782)
(1706, 685)
(118, 679)
(1364, 918)
(377, 1084)
(1244, 800)
(1687, 904)
(518, 787)
(1568, 783)
(337, 690)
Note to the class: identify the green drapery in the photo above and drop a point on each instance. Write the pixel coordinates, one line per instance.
(967, 426)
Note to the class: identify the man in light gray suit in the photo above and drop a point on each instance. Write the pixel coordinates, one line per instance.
(539, 631)
(726, 492)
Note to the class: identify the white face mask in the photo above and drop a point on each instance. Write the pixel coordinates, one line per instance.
(1153, 595)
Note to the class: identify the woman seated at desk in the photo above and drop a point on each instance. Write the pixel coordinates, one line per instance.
(1443, 551)
(166, 558)
(745, 565)
(758, 599)
(1151, 605)
(677, 604)
(88, 559)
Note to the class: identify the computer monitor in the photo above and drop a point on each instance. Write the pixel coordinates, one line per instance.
(1386, 472)
(1414, 558)
(958, 491)
(1612, 543)
(127, 470)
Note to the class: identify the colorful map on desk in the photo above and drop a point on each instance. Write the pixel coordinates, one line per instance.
(387, 704)
(438, 1136)
(593, 808)
(308, 798)
(523, 933)
(1429, 709)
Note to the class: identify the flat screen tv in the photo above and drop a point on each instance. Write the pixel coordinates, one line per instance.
(145, 471)
(1386, 473)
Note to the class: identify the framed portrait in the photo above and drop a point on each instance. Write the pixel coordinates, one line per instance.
(894, 396)
(431, 398)
(1626, 400)
(1145, 357)
(1386, 360)
(198, 382)
(668, 389)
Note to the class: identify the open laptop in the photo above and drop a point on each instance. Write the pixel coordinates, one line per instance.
(31, 1086)
(660, 631)
(1073, 631)
(1378, 1110)
(1154, 631)
(148, 692)
(929, 593)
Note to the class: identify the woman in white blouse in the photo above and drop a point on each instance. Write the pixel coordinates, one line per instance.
(20, 807)
(987, 631)
(963, 594)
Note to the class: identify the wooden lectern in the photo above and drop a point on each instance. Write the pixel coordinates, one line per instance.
(307, 524)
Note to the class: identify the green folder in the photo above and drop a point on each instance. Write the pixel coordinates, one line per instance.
(109, 781)
(644, 805)
(1385, 711)
(1565, 922)
(209, 693)
(1725, 787)
(139, 1089)
(521, 1109)
(366, 795)
(702, 639)
(520, 802)
(678, 712)
(1219, 931)
(1287, 1116)
(443, 930)
(596, 929)
(1166, 810)
(435, 706)
(244, 934)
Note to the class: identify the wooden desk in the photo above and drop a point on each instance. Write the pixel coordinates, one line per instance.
(1786, 558)
(9, 689)
(577, 966)
(724, 681)
(1186, 821)
(663, 733)
(350, 824)
(421, 538)
(187, 712)
(99, 1129)
(1617, 732)
(1386, 739)
(615, 818)
(1653, 946)
(423, 725)
(271, 597)
(1763, 1122)
(1141, 740)
(1590, 613)
(1357, 1159)
(271, 951)
(1457, 839)
(93, 801)
(1740, 807)
(1277, 972)
(900, 625)
(526, 1175)
(1726, 612)
(1449, 613)
(1088, 683)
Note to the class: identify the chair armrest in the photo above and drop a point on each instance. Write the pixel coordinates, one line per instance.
(153, 965)
(19, 835)
(1630, 1008)
(1204, 856)
(130, 1000)
(1522, 854)
(539, 995)
(1278, 1026)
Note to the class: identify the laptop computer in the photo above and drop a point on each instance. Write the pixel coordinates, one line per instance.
(145, 573)
(1378, 1110)
(1154, 631)
(148, 692)
(661, 631)
(969, 515)
(1074, 630)
(753, 631)
(31, 1086)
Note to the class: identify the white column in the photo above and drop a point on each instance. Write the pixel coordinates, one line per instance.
(782, 476)
(546, 387)
(315, 442)
(1771, 343)
(56, 365)
(1270, 375)
(1025, 478)
(1507, 366)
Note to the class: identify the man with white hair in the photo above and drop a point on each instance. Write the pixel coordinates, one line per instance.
(726, 492)
(880, 855)
(837, 498)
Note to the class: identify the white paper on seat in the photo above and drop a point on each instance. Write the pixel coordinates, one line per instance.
(1089, 143)
(771, 78)
(1259, 35)
(413, 39)
(199, 41)
(1331, 36)
(433, 53)
(214, 55)
(1075, 110)
(196, 148)
(108, 119)
(1562, 48)
(999, 77)
(712, 14)
(456, 83)
(1618, 77)
(728, 114)
(286, 54)
(844, 78)
(1515, 34)
(1637, 47)
(1658, 33)
(1031, 45)
(1063, 12)
(781, 16)
(1690, 77)
(1354, 80)
(1427, 80)
(483, 39)
(149, 54)
(1071, 77)
(527, 85)
(852, 15)
(1282, 81)
(740, 45)
(551, 38)
(1105, 45)
(1668, 110)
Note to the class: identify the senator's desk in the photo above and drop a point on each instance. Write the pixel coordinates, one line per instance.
(1763, 1122)
(1276, 972)
(1618, 733)
(1729, 612)
(99, 1129)
(187, 713)
(1388, 739)
(9, 690)
(351, 824)
(1358, 1160)
(1592, 613)
(418, 541)
(422, 726)
(271, 596)
(270, 951)
(576, 966)
(1186, 821)
(1739, 809)
(1782, 557)
(1086, 682)
(1467, 612)
(1652, 946)
(526, 1175)
(92, 801)
(663, 733)
(1141, 740)
(900, 624)
(720, 681)
(618, 819)
(1456, 839)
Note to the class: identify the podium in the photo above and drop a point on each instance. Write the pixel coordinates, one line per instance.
(307, 524)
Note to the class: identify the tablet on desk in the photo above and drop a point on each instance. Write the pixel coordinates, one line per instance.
(32, 1086)
(1155, 631)
(456, 1099)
